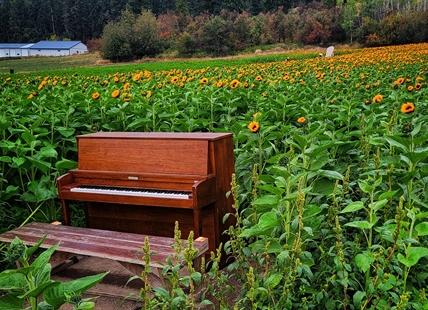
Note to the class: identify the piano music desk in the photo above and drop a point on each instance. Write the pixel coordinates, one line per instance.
(125, 248)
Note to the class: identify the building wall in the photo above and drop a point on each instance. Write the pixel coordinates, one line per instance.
(49, 52)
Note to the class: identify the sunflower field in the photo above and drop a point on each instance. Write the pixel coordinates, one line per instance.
(331, 161)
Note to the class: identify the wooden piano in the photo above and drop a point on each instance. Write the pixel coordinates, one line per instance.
(143, 182)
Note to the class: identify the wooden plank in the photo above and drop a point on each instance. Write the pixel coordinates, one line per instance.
(122, 247)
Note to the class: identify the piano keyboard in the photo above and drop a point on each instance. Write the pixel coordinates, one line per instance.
(130, 192)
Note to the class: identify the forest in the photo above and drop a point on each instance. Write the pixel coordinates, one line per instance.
(130, 29)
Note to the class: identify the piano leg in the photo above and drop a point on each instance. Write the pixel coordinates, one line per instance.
(197, 218)
(66, 212)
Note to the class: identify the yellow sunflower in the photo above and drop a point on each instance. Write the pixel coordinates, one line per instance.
(203, 81)
(95, 96)
(115, 93)
(378, 98)
(399, 81)
(407, 108)
(254, 126)
(301, 120)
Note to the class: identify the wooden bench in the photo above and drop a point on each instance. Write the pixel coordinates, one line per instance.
(125, 248)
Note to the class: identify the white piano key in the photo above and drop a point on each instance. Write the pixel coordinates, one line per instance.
(129, 192)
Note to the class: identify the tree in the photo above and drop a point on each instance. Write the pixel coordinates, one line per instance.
(115, 46)
(145, 35)
(215, 36)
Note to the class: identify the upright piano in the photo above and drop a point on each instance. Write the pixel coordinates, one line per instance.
(143, 182)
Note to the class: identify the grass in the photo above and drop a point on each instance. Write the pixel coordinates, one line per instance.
(93, 64)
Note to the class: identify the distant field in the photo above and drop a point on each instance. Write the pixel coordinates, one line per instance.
(93, 63)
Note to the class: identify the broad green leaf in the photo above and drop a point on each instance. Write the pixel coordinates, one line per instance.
(360, 224)
(56, 295)
(268, 220)
(47, 152)
(14, 279)
(363, 262)
(380, 204)
(273, 280)
(366, 188)
(40, 288)
(330, 174)
(267, 200)
(41, 164)
(357, 298)
(66, 164)
(300, 140)
(197, 277)
(401, 143)
(19, 161)
(323, 187)
(387, 194)
(34, 248)
(11, 302)
(66, 132)
(416, 157)
(422, 229)
(353, 206)
(410, 261)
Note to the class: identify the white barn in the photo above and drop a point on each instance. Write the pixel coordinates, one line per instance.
(14, 49)
(57, 48)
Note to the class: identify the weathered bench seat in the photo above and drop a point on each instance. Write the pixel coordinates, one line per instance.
(125, 248)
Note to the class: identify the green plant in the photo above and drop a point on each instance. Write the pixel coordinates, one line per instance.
(30, 286)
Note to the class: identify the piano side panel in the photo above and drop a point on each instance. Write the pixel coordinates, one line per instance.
(143, 155)
(222, 161)
(148, 220)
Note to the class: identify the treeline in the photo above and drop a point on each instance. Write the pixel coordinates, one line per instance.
(33, 20)
(135, 36)
(127, 29)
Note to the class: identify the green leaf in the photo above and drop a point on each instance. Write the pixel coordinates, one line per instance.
(56, 295)
(197, 277)
(399, 142)
(65, 164)
(19, 161)
(268, 220)
(14, 279)
(380, 204)
(353, 206)
(34, 248)
(410, 261)
(323, 187)
(40, 164)
(300, 140)
(358, 298)
(416, 157)
(271, 200)
(273, 280)
(11, 302)
(360, 224)
(66, 132)
(363, 262)
(47, 152)
(365, 187)
(330, 174)
(39, 289)
(387, 195)
(43, 258)
(422, 229)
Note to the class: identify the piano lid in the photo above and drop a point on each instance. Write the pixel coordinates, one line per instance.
(147, 152)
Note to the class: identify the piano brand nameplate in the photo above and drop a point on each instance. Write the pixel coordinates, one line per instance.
(133, 178)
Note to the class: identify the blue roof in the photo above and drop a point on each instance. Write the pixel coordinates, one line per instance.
(12, 45)
(54, 45)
